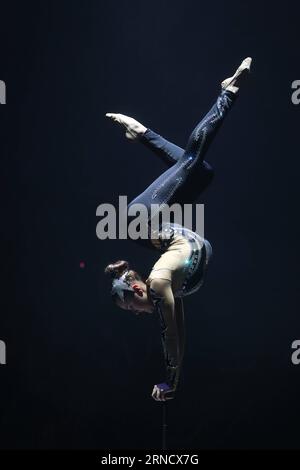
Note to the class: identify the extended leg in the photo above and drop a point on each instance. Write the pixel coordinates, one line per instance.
(176, 184)
(205, 131)
(165, 149)
(171, 153)
(135, 131)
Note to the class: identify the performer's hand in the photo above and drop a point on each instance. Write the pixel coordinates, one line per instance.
(162, 392)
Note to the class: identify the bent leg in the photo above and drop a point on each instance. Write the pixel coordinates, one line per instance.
(198, 140)
(176, 180)
(169, 152)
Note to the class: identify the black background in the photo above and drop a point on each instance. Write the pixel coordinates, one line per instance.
(80, 371)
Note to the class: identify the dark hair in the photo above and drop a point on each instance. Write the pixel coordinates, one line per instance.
(117, 269)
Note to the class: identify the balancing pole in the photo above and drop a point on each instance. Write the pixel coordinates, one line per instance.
(164, 426)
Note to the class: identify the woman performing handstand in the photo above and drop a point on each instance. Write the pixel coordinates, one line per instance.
(185, 255)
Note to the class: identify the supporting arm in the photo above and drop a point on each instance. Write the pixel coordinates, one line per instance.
(162, 295)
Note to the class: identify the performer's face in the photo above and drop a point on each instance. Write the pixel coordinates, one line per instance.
(137, 301)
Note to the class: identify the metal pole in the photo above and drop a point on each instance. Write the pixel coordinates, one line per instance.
(164, 426)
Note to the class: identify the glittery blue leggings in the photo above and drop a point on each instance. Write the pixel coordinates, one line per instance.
(188, 174)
